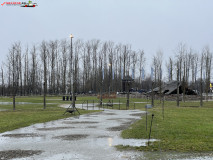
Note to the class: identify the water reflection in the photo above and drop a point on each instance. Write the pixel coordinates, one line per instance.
(10, 103)
(127, 142)
(110, 142)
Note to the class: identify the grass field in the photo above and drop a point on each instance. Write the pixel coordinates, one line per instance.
(186, 128)
(29, 114)
(183, 128)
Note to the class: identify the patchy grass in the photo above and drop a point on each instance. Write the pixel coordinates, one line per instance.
(186, 128)
(29, 114)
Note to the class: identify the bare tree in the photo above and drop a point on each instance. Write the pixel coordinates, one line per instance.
(13, 59)
(53, 45)
(207, 64)
(2, 81)
(43, 50)
(142, 60)
(201, 79)
(64, 65)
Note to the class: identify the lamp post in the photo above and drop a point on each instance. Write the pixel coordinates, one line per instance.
(73, 72)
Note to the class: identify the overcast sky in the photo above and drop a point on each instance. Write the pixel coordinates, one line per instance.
(145, 24)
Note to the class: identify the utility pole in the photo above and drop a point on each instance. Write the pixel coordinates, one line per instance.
(101, 82)
(110, 78)
(44, 95)
(127, 103)
(201, 82)
(178, 103)
(152, 93)
(14, 96)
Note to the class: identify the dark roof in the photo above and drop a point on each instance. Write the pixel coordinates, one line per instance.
(127, 78)
(171, 88)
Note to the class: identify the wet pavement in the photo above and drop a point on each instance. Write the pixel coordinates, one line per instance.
(20, 103)
(87, 137)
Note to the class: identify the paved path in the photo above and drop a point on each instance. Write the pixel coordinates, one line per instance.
(91, 136)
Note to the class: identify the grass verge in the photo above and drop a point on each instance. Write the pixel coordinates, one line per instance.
(29, 114)
(183, 129)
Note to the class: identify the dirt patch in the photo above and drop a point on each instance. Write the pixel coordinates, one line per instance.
(72, 137)
(82, 122)
(10, 154)
(21, 135)
(137, 114)
(53, 128)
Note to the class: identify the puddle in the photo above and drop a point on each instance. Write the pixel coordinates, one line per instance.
(72, 137)
(118, 128)
(20, 103)
(92, 127)
(25, 135)
(114, 119)
(137, 114)
(82, 122)
(128, 142)
(53, 128)
(10, 103)
(10, 154)
(103, 137)
(108, 114)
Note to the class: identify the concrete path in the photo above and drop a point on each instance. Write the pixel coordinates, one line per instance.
(91, 136)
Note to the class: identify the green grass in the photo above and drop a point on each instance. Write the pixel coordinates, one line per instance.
(29, 114)
(183, 128)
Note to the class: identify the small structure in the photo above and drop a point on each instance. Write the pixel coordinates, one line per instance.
(126, 85)
(107, 96)
(171, 88)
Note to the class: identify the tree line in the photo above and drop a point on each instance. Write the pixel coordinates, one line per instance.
(97, 66)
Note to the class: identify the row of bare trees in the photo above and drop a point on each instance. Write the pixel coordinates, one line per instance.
(98, 66)
(49, 66)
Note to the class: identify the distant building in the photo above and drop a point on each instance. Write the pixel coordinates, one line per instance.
(171, 88)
